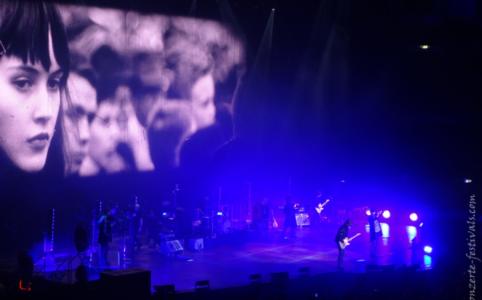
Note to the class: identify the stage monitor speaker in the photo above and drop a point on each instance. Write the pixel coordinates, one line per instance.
(172, 247)
(165, 291)
(196, 244)
(202, 285)
(302, 219)
(133, 284)
(304, 271)
(255, 278)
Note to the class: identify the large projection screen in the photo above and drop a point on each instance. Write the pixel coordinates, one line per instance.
(138, 87)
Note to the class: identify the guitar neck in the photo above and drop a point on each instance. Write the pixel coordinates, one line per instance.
(353, 237)
(319, 209)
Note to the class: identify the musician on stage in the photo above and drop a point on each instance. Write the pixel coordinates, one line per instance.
(317, 215)
(136, 224)
(263, 215)
(289, 228)
(341, 235)
(375, 231)
(105, 234)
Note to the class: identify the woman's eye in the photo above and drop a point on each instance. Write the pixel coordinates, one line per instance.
(72, 115)
(53, 84)
(105, 121)
(23, 84)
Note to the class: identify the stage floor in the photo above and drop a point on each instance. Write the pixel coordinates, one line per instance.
(229, 260)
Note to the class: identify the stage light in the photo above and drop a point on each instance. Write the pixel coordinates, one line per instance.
(273, 10)
(427, 262)
(420, 225)
(468, 180)
(413, 217)
(427, 249)
(219, 213)
(385, 230)
(367, 212)
(424, 46)
(386, 214)
(164, 214)
(411, 232)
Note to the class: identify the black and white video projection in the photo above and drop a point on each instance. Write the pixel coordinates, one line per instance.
(137, 87)
(157, 80)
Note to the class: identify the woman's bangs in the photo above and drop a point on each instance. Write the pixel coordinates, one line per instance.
(28, 37)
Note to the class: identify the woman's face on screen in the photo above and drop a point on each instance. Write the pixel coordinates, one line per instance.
(29, 106)
(202, 97)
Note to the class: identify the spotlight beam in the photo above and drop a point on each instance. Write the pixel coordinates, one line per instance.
(261, 66)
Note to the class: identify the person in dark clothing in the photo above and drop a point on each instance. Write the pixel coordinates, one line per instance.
(105, 234)
(136, 224)
(263, 215)
(153, 228)
(290, 219)
(375, 232)
(341, 235)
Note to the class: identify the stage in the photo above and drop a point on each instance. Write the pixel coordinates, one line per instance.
(229, 260)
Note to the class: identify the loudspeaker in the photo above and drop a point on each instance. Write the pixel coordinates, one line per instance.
(202, 285)
(165, 291)
(196, 244)
(113, 258)
(171, 247)
(302, 219)
(304, 272)
(133, 283)
(255, 278)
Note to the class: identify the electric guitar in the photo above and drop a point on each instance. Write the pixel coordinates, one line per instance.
(346, 241)
(320, 208)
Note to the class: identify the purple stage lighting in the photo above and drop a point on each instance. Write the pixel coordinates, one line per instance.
(427, 249)
(386, 214)
(413, 217)
(367, 212)
(220, 213)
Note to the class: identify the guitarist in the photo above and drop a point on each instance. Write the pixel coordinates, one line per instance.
(318, 217)
(341, 235)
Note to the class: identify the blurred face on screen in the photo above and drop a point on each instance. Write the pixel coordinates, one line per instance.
(29, 105)
(202, 97)
(77, 117)
(105, 136)
(170, 122)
